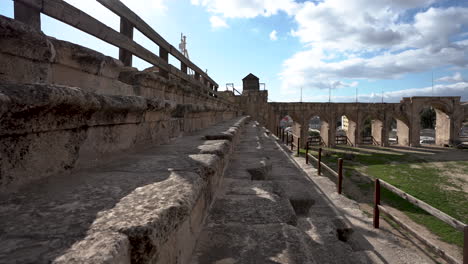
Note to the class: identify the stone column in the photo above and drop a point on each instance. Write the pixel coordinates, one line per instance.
(324, 132)
(402, 133)
(443, 128)
(352, 133)
(332, 133)
(377, 130)
(414, 130)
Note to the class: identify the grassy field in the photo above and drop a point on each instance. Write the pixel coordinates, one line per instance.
(425, 175)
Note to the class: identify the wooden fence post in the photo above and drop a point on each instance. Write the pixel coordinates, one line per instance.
(183, 67)
(164, 54)
(27, 15)
(340, 175)
(376, 203)
(319, 162)
(307, 152)
(465, 245)
(292, 142)
(298, 146)
(126, 29)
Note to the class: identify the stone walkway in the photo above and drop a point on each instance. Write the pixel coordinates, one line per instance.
(269, 210)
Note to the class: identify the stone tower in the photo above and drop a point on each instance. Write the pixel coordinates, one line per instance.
(251, 83)
(253, 101)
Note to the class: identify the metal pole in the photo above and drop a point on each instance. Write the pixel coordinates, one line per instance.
(307, 152)
(376, 203)
(340, 175)
(319, 162)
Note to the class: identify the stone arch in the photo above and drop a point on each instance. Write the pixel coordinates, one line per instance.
(371, 128)
(325, 136)
(444, 130)
(398, 133)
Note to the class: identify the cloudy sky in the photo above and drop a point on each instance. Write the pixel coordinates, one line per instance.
(393, 48)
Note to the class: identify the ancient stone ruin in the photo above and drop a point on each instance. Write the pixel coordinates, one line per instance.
(103, 163)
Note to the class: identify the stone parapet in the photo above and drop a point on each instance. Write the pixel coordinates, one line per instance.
(144, 207)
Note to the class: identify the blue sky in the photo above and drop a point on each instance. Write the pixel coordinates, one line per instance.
(389, 46)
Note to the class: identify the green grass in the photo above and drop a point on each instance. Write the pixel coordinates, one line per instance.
(414, 176)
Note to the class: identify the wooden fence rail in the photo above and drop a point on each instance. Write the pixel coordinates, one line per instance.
(28, 11)
(460, 226)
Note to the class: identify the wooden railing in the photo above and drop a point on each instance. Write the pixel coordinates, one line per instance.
(343, 140)
(426, 207)
(369, 140)
(315, 141)
(28, 11)
(458, 225)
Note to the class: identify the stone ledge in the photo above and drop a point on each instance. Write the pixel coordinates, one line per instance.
(157, 222)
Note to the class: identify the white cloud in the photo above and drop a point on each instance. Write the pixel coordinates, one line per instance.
(457, 77)
(370, 39)
(218, 22)
(273, 35)
(457, 89)
(247, 8)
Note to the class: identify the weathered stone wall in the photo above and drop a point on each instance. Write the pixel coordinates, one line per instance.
(65, 107)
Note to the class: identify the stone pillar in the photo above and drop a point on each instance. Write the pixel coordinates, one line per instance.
(304, 133)
(352, 132)
(332, 133)
(377, 127)
(414, 130)
(324, 132)
(402, 133)
(443, 128)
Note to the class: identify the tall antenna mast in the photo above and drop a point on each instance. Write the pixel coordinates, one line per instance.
(382, 95)
(329, 91)
(184, 51)
(432, 83)
(301, 94)
(356, 94)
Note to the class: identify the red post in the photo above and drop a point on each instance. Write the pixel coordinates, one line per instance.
(298, 146)
(376, 203)
(465, 245)
(340, 175)
(319, 162)
(307, 152)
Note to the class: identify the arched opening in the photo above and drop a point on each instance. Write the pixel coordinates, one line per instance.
(393, 132)
(345, 129)
(428, 124)
(463, 134)
(286, 122)
(371, 132)
(314, 132)
(291, 128)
